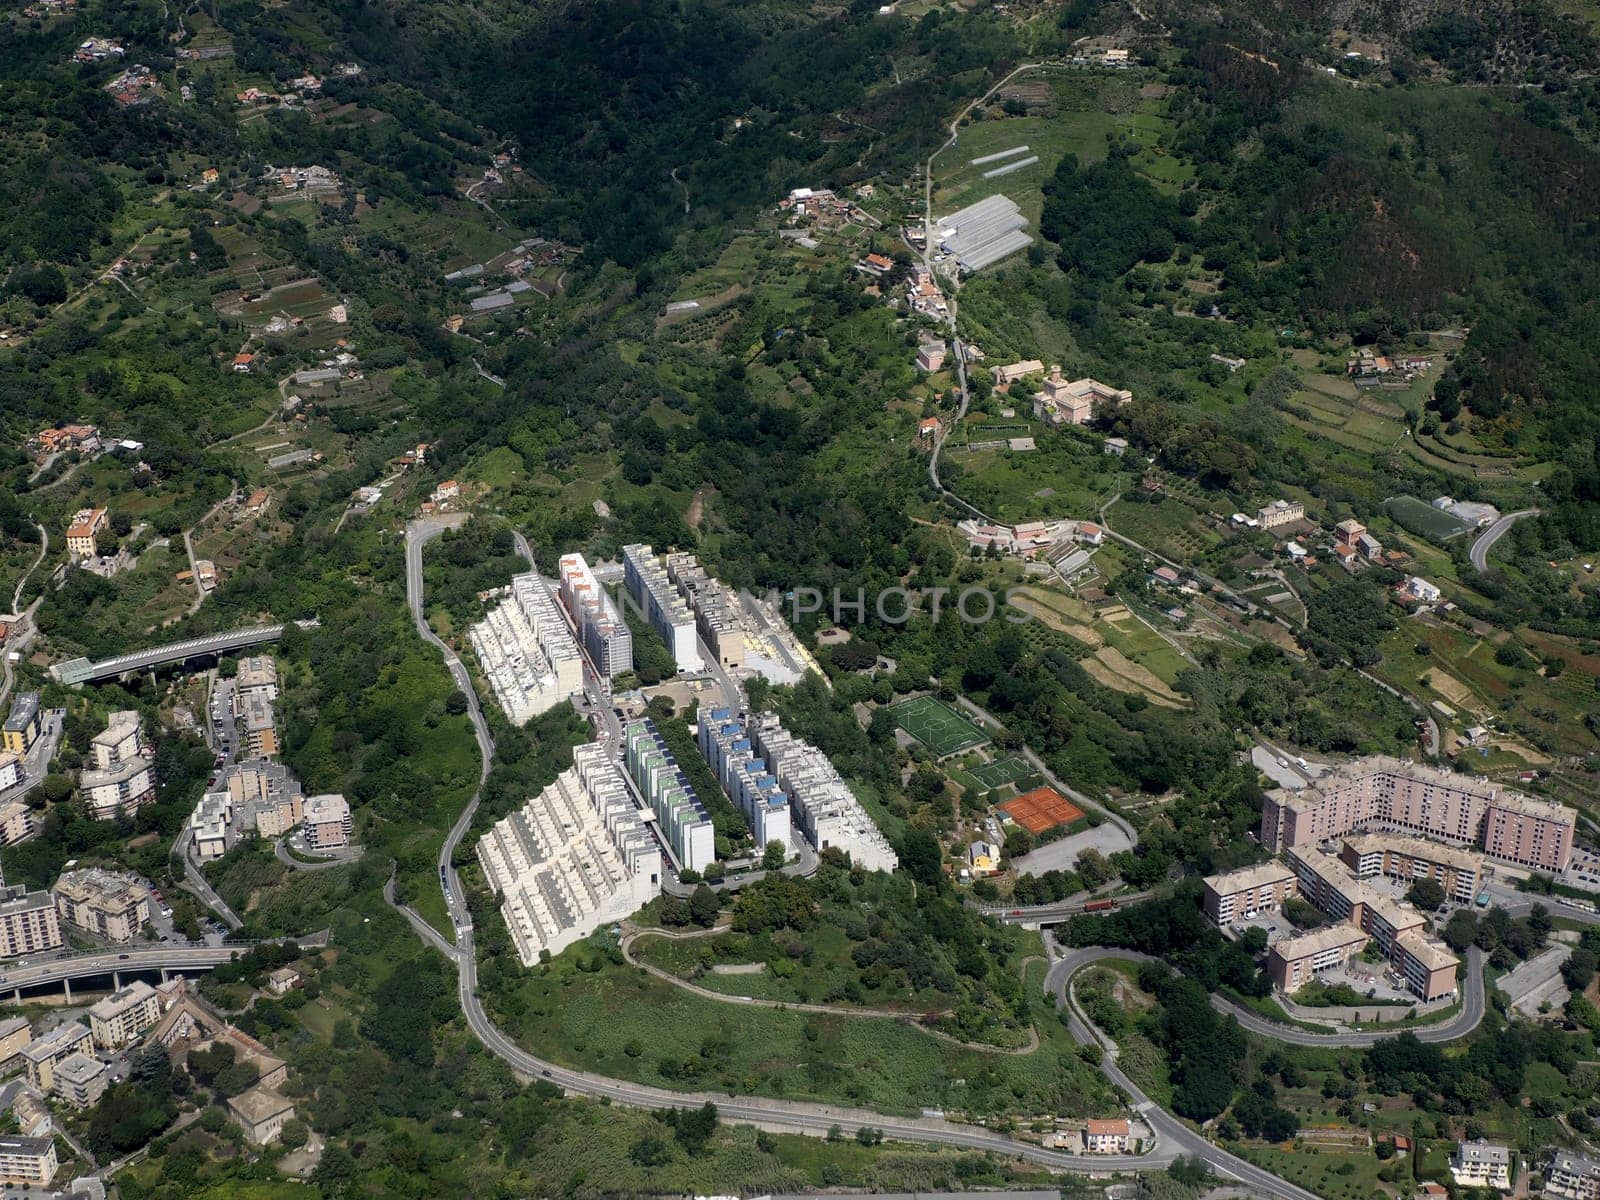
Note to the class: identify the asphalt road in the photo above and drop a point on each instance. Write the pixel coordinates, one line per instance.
(1486, 540)
(75, 966)
(1471, 1014)
(1176, 1138)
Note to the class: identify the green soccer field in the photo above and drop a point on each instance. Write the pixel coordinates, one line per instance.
(1000, 772)
(937, 726)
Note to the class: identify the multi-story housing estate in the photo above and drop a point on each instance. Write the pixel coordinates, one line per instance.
(103, 903)
(662, 606)
(327, 822)
(1398, 856)
(28, 1160)
(28, 922)
(1381, 792)
(1400, 931)
(820, 803)
(1482, 1165)
(1248, 891)
(266, 796)
(122, 779)
(577, 856)
(744, 775)
(122, 1016)
(46, 1052)
(527, 652)
(1572, 1176)
(1072, 402)
(715, 608)
(23, 724)
(681, 817)
(605, 635)
(1293, 961)
(1281, 512)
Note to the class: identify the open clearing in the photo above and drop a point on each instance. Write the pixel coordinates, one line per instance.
(1114, 669)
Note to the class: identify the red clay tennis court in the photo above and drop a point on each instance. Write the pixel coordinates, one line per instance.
(1041, 809)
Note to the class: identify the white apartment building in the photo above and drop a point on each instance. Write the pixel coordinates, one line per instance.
(528, 653)
(668, 615)
(727, 746)
(715, 608)
(605, 635)
(577, 856)
(1572, 1176)
(681, 818)
(211, 826)
(824, 808)
(1479, 1164)
(120, 740)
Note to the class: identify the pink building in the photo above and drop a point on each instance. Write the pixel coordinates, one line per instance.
(1426, 801)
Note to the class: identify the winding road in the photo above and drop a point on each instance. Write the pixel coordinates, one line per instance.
(1463, 1023)
(1487, 539)
(1175, 1139)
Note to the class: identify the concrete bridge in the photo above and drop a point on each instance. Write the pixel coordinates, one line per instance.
(81, 670)
(34, 973)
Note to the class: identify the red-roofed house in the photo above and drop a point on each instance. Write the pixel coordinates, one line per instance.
(1106, 1137)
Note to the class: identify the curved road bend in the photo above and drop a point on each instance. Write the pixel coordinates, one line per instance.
(1174, 1136)
(1486, 540)
(1468, 1019)
(1176, 1139)
(770, 1113)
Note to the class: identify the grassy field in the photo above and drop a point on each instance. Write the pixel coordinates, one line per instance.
(1001, 772)
(936, 725)
(583, 1010)
(825, 967)
(1081, 111)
